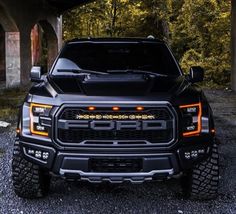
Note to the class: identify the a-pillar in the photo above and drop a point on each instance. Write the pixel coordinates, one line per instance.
(13, 63)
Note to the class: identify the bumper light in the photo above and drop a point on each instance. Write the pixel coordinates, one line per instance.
(192, 119)
(38, 154)
(37, 111)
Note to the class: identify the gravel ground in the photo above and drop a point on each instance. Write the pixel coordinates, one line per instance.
(161, 197)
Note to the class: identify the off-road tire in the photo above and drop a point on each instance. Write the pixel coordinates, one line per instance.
(201, 183)
(29, 181)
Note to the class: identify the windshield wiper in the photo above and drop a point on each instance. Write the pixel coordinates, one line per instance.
(135, 71)
(80, 71)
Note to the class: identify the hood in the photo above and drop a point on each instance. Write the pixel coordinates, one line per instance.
(56, 91)
(120, 84)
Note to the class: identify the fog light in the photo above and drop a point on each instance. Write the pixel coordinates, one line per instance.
(41, 155)
(38, 154)
(31, 152)
(194, 154)
(187, 155)
(45, 155)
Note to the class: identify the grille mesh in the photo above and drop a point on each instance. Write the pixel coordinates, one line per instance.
(77, 136)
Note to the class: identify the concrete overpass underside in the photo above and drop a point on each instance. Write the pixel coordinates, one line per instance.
(22, 25)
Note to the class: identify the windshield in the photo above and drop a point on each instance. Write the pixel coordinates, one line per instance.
(112, 57)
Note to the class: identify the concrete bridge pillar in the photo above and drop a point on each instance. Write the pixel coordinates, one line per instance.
(2, 55)
(13, 62)
(16, 23)
(10, 53)
(51, 35)
(17, 19)
(25, 54)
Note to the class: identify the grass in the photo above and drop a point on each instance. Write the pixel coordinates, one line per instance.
(10, 100)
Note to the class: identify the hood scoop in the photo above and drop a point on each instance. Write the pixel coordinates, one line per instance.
(116, 84)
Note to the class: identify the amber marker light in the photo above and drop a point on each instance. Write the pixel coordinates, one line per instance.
(213, 131)
(199, 119)
(18, 131)
(139, 108)
(91, 108)
(115, 108)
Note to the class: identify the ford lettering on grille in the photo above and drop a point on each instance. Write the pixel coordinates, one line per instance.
(114, 125)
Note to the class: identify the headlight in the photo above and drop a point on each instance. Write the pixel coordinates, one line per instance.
(38, 111)
(192, 119)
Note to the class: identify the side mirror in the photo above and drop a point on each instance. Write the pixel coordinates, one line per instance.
(196, 74)
(36, 74)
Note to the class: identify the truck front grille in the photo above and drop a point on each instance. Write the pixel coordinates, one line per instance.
(73, 128)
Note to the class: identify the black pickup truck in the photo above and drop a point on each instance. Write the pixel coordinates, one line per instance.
(116, 110)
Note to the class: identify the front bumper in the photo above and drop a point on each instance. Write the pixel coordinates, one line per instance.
(77, 165)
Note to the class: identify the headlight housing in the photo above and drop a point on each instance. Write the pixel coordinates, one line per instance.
(192, 119)
(37, 112)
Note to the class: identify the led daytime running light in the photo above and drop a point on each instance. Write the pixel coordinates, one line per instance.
(32, 130)
(199, 119)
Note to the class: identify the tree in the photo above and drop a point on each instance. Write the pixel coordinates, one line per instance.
(202, 29)
(197, 30)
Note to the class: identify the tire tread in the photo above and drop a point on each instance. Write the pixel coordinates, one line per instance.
(29, 181)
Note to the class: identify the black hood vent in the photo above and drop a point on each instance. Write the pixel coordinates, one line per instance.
(116, 84)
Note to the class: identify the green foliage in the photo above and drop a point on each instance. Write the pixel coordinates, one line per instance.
(103, 18)
(197, 30)
(201, 36)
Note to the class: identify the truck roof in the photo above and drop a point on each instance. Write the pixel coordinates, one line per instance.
(114, 39)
